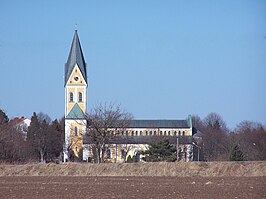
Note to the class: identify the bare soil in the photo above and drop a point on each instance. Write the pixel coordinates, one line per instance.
(131, 187)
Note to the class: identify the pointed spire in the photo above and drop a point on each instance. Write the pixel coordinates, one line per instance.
(75, 57)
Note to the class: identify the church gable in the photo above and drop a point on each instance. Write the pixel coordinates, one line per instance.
(76, 77)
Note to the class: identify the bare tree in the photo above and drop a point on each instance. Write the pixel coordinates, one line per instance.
(197, 122)
(251, 138)
(12, 143)
(43, 116)
(69, 148)
(216, 143)
(105, 123)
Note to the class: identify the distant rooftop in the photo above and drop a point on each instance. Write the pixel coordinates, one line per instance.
(159, 124)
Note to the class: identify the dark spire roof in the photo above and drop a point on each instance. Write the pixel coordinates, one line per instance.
(75, 57)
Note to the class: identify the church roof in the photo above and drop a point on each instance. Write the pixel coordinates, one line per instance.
(159, 124)
(75, 57)
(75, 113)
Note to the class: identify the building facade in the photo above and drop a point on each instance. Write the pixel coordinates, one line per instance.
(132, 140)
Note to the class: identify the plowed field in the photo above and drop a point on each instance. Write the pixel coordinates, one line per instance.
(131, 187)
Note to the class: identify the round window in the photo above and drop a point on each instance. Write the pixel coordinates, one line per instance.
(76, 78)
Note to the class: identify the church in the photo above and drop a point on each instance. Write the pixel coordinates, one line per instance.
(134, 139)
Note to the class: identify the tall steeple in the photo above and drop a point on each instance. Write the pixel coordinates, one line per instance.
(75, 77)
(75, 99)
(75, 57)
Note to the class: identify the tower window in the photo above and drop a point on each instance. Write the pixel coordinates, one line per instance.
(76, 131)
(71, 97)
(80, 97)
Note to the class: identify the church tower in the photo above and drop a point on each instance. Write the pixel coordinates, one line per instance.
(75, 100)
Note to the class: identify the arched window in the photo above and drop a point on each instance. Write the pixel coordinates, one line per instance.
(76, 131)
(140, 133)
(71, 97)
(154, 133)
(137, 133)
(175, 133)
(80, 97)
(169, 133)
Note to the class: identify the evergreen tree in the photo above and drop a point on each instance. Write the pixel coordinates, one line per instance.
(39, 140)
(54, 140)
(32, 133)
(3, 117)
(236, 154)
(160, 151)
(43, 141)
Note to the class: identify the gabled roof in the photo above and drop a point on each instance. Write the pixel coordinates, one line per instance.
(159, 124)
(75, 113)
(75, 57)
(18, 121)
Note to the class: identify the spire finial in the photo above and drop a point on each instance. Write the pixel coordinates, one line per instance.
(76, 26)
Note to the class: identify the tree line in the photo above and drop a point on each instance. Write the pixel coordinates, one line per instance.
(246, 142)
(42, 142)
(45, 138)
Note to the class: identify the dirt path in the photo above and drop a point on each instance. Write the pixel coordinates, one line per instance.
(132, 187)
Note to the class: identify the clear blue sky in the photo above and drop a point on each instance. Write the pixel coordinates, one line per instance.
(159, 59)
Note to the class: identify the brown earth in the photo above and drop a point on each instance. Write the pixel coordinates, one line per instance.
(131, 187)
(140, 180)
